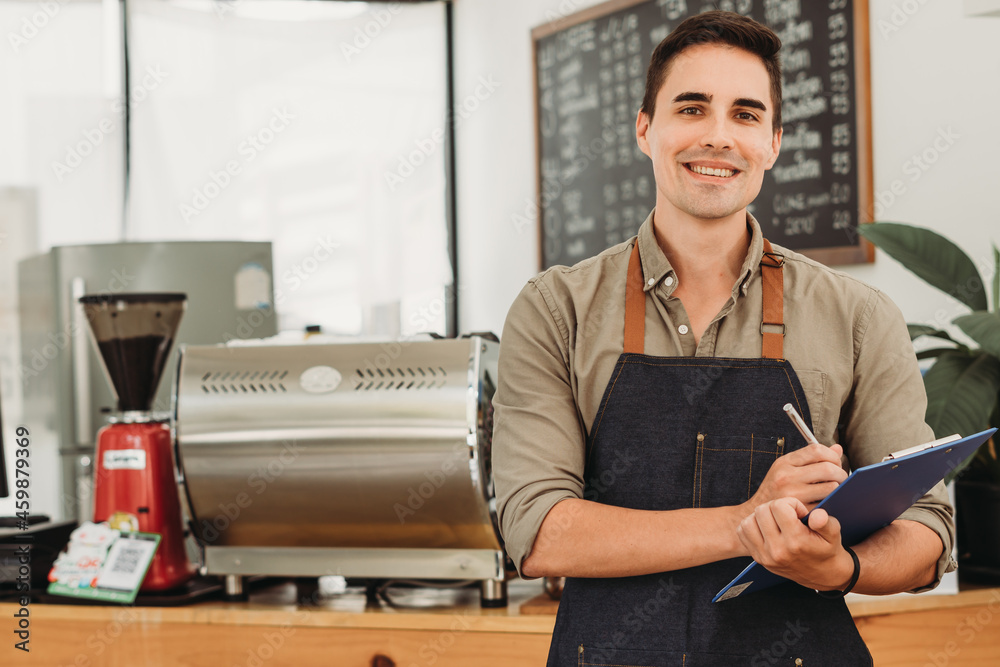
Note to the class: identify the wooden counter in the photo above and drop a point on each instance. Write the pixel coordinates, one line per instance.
(440, 628)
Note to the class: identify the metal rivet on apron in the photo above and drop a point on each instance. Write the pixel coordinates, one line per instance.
(683, 329)
(781, 442)
(798, 662)
(581, 648)
(701, 437)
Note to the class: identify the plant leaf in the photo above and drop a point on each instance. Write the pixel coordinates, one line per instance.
(984, 328)
(932, 257)
(961, 392)
(918, 330)
(996, 279)
(934, 352)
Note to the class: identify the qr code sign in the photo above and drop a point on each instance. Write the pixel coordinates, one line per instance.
(126, 563)
(127, 560)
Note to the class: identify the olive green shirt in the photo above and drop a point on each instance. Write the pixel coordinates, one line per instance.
(847, 342)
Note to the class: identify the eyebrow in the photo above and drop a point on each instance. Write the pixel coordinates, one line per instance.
(748, 102)
(693, 97)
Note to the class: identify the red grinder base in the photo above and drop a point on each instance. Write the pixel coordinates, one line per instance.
(135, 485)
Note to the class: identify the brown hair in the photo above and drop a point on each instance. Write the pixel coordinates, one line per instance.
(716, 27)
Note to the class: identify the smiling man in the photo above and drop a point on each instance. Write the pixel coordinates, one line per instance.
(640, 447)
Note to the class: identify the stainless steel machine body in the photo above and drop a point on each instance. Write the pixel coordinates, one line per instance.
(367, 460)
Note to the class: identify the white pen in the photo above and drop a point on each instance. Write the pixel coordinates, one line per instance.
(800, 424)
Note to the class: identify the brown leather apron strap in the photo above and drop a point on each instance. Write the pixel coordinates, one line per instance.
(773, 303)
(635, 305)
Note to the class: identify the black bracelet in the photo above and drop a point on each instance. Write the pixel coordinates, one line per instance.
(854, 579)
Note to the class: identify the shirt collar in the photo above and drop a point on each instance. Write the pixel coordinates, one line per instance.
(656, 267)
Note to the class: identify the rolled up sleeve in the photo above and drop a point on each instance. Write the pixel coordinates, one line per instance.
(886, 412)
(539, 440)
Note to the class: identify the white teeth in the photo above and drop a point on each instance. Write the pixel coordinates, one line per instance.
(709, 171)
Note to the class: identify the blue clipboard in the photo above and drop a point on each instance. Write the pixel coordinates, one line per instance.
(871, 498)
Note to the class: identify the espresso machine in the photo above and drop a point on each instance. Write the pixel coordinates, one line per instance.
(367, 460)
(135, 484)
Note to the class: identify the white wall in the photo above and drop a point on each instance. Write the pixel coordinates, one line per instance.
(933, 71)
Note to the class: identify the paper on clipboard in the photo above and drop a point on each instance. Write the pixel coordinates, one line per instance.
(872, 497)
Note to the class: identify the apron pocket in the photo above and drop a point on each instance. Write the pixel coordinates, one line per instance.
(729, 469)
(595, 656)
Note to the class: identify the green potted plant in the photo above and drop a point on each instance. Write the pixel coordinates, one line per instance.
(963, 383)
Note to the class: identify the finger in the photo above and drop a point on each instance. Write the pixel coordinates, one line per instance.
(811, 494)
(818, 520)
(787, 514)
(766, 522)
(800, 509)
(816, 453)
(749, 533)
(821, 471)
(825, 525)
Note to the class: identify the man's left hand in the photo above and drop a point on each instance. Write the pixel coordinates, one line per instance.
(809, 555)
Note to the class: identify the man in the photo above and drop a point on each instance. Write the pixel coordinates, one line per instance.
(640, 447)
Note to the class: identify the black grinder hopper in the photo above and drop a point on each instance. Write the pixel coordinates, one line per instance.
(134, 333)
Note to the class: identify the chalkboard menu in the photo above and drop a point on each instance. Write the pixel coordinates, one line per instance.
(595, 187)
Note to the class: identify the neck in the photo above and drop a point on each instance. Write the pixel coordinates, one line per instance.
(700, 248)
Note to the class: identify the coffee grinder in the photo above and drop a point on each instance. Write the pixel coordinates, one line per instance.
(135, 484)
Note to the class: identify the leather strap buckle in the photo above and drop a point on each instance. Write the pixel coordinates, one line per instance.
(772, 324)
(773, 259)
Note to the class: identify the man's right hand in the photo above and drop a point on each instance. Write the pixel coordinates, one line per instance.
(808, 474)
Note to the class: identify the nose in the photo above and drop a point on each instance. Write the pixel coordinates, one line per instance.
(718, 133)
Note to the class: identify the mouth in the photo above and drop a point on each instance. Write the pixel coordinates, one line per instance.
(718, 172)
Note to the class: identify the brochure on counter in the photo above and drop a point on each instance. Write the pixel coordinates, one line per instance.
(101, 563)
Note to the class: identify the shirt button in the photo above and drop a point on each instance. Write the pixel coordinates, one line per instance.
(683, 329)
(669, 281)
(651, 282)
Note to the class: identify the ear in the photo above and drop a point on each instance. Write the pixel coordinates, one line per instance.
(775, 147)
(641, 128)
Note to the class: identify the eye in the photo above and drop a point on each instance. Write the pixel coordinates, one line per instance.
(747, 116)
(690, 111)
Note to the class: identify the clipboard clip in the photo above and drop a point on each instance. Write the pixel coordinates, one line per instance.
(920, 448)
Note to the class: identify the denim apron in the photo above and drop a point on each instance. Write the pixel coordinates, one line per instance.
(676, 432)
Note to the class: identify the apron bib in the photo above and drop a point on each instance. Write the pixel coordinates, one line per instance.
(678, 432)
